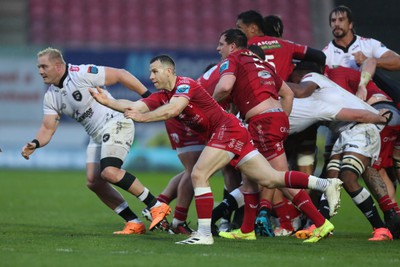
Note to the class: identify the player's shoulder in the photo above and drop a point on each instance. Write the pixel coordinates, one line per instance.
(184, 83)
(363, 39)
(289, 42)
(83, 69)
(185, 80)
(368, 41)
(328, 47)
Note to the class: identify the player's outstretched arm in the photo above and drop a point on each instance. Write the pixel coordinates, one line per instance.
(163, 112)
(124, 77)
(100, 96)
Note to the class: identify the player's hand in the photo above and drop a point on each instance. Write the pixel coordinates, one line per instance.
(359, 57)
(362, 92)
(28, 149)
(133, 114)
(99, 95)
(387, 114)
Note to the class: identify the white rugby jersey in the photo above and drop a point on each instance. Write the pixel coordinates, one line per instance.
(75, 101)
(323, 105)
(340, 56)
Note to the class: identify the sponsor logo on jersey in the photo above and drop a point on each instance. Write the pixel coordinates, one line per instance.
(224, 66)
(355, 47)
(106, 137)
(93, 70)
(284, 130)
(389, 139)
(87, 114)
(183, 88)
(248, 53)
(77, 95)
(264, 74)
(73, 68)
(266, 45)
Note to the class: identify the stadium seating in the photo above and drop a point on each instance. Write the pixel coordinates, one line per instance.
(170, 24)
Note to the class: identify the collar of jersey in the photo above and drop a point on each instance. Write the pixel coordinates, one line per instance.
(345, 49)
(61, 84)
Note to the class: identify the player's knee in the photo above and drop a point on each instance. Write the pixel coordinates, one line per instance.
(91, 185)
(109, 166)
(95, 184)
(195, 175)
(353, 164)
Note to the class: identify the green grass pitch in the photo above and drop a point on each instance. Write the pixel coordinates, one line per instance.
(50, 218)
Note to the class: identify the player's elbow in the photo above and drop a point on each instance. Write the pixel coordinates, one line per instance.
(173, 112)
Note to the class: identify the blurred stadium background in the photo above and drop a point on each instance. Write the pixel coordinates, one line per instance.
(126, 34)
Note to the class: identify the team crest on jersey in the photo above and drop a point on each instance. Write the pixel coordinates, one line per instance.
(224, 66)
(264, 74)
(77, 95)
(73, 68)
(183, 88)
(93, 70)
(106, 137)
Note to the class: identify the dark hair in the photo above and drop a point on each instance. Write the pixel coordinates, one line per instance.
(273, 26)
(257, 50)
(307, 66)
(235, 36)
(342, 10)
(252, 17)
(164, 59)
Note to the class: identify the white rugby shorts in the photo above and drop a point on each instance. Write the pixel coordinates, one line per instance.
(116, 141)
(362, 138)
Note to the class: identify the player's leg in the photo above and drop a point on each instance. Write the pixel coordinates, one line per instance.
(353, 165)
(185, 191)
(170, 192)
(260, 171)
(378, 188)
(257, 169)
(232, 181)
(108, 194)
(283, 209)
(210, 161)
(114, 150)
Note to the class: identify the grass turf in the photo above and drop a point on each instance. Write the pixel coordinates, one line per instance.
(50, 218)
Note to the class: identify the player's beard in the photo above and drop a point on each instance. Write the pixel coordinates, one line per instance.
(339, 33)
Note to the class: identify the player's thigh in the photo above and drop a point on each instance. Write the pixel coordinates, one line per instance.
(117, 139)
(211, 160)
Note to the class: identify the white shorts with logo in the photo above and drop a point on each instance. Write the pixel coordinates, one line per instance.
(116, 140)
(362, 138)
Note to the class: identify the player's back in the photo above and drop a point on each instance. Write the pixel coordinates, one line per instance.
(255, 82)
(280, 53)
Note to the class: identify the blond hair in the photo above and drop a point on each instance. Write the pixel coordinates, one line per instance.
(53, 53)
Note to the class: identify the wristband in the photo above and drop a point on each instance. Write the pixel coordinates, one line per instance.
(146, 94)
(365, 78)
(36, 142)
